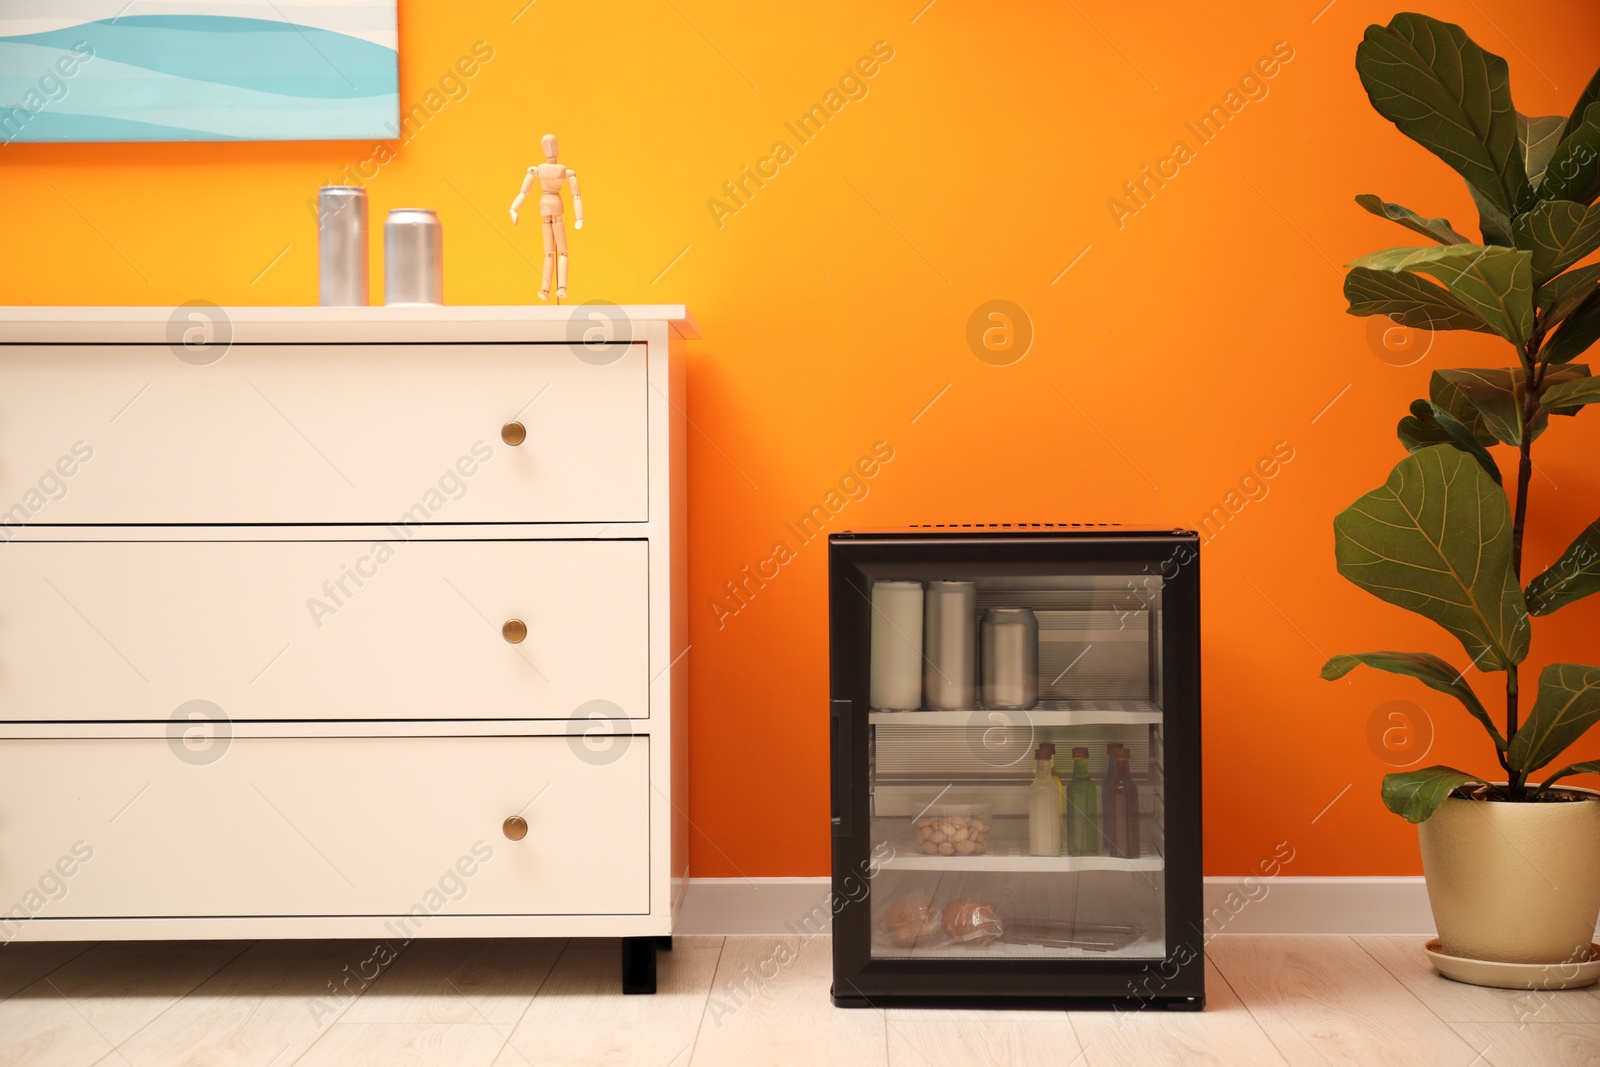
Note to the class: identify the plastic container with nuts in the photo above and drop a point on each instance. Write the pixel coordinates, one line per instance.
(953, 830)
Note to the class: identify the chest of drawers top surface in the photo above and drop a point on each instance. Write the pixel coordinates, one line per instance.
(373, 325)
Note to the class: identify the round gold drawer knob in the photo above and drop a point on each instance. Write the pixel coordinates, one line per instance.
(513, 433)
(516, 828)
(515, 631)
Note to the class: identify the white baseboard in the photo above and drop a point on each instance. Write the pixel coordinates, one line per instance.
(1318, 905)
(724, 907)
(1282, 905)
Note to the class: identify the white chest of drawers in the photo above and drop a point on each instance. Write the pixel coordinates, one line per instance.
(343, 622)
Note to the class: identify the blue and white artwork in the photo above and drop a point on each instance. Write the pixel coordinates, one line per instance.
(198, 70)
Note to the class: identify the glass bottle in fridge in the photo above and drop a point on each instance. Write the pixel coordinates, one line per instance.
(1044, 805)
(1111, 773)
(1122, 811)
(1083, 806)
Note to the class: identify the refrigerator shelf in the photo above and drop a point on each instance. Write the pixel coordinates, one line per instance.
(1008, 851)
(1047, 713)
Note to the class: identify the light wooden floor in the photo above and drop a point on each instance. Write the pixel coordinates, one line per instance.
(1318, 1001)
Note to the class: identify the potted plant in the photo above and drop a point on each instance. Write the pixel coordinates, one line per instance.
(1512, 860)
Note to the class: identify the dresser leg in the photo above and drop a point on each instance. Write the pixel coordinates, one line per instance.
(639, 965)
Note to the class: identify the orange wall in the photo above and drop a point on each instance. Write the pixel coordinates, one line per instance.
(1178, 350)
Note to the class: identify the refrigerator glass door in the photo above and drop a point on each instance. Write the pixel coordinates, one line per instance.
(980, 850)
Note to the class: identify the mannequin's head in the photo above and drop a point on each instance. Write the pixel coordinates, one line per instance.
(548, 143)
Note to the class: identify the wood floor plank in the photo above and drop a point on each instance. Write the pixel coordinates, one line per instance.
(1225, 1034)
(1457, 1002)
(581, 1017)
(459, 980)
(267, 1006)
(405, 1045)
(1325, 1002)
(1548, 1045)
(85, 1008)
(769, 1004)
(23, 963)
(1015, 1038)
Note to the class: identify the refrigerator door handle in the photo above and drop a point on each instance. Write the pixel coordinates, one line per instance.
(842, 756)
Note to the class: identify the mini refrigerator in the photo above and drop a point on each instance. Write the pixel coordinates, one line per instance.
(1015, 747)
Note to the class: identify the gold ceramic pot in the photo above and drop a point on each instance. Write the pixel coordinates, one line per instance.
(1514, 883)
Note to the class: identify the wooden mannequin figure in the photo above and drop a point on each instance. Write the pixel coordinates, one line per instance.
(550, 175)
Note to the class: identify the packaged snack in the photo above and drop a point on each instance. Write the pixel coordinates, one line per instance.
(972, 922)
(909, 922)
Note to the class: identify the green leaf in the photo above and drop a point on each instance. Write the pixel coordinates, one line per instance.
(1494, 283)
(1420, 429)
(1436, 539)
(1408, 300)
(1572, 577)
(1493, 223)
(1538, 138)
(1489, 400)
(1568, 704)
(1574, 171)
(1563, 294)
(1450, 96)
(1454, 403)
(1438, 229)
(1590, 94)
(1565, 398)
(1577, 333)
(1462, 436)
(1426, 668)
(1431, 424)
(1492, 392)
(1587, 767)
(1416, 795)
(1557, 233)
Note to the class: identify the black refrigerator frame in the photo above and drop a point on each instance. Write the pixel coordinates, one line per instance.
(1176, 982)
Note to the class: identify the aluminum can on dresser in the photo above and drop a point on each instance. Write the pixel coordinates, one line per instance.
(1010, 658)
(413, 257)
(342, 246)
(949, 645)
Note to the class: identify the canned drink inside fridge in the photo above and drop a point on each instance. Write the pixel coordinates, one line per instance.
(949, 645)
(1010, 658)
(896, 678)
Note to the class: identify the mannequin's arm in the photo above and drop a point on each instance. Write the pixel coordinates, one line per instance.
(577, 201)
(516, 205)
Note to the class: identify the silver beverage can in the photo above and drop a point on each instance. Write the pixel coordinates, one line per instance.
(895, 681)
(413, 257)
(342, 246)
(1010, 658)
(949, 645)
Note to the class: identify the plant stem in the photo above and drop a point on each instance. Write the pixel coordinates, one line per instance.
(1533, 387)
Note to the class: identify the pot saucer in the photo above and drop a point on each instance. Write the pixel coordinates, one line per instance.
(1516, 975)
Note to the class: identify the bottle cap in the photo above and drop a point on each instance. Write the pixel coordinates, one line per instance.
(1115, 746)
(1080, 753)
(1047, 751)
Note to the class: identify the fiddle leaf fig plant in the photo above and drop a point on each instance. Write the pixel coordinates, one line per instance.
(1443, 536)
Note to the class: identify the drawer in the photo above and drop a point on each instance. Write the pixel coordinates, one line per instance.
(321, 434)
(332, 629)
(327, 826)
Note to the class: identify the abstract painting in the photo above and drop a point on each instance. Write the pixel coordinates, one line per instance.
(198, 70)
